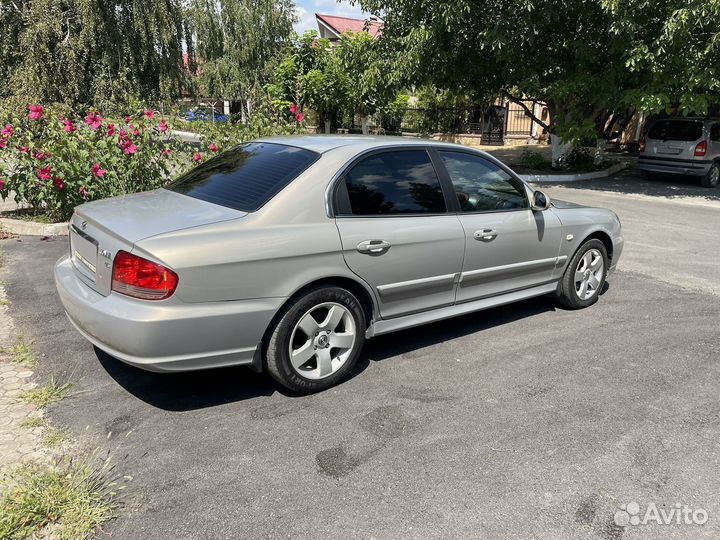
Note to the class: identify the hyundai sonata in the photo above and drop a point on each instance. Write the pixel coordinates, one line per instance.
(286, 254)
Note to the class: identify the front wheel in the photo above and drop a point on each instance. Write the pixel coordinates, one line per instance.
(585, 276)
(712, 178)
(317, 340)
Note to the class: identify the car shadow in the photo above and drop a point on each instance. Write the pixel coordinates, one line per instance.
(187, 391)
(631, 182)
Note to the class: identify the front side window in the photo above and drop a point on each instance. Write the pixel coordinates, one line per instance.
(396, 182)
(246, 177)
(482, 186)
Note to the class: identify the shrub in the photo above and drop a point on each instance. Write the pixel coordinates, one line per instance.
(54, 160)
(534, 160)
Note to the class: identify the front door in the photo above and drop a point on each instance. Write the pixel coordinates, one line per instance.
(396, 233)
(507, 246)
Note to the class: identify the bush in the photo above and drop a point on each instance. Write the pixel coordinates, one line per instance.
(534, 160)
(53, 160)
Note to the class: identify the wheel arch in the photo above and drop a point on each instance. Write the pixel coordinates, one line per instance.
(604, 237)
(359, 289)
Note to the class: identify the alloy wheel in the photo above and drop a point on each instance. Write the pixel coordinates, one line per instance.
(322, 340)
(589, 274)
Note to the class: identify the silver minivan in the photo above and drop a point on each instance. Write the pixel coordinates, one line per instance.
(686, 146)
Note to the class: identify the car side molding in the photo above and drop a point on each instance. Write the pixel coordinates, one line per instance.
(386, 326)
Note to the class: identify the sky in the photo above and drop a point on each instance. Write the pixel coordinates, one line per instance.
(307, 8)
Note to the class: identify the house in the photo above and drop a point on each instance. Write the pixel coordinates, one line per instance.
(332, 26)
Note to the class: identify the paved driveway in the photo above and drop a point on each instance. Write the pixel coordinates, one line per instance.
(523, 421)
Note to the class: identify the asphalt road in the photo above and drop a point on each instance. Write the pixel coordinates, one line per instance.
(523, 421)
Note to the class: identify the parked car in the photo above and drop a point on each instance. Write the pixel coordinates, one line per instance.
(687, 146)
(204, 114)
(286, 254)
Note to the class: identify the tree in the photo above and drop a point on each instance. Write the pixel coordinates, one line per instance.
(673, 47)
(237, 42)
(90, 52)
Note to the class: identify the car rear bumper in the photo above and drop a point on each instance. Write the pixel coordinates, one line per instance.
(164, 336)
(674, 165)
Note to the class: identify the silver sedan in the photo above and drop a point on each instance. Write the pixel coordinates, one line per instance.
(286, 254)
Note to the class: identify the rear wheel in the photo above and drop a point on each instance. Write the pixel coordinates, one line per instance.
(317, 340)
(585, 276)
(712, 178)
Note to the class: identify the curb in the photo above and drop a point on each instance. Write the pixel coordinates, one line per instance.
(33, 228)
(560, 178)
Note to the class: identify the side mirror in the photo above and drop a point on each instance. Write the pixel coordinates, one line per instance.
(539, 201)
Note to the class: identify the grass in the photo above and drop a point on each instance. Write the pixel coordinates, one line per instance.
(43, 396)
(22, 353)
(68, 500)
(32, 422)
(54, 437)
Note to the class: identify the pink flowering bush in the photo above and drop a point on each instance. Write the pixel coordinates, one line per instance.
(52, 162)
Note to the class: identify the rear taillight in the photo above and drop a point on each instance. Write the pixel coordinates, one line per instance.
(140, 278)
(701, 149)
(642, 144)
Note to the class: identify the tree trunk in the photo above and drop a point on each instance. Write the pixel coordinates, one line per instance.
(365, 124)
(328, 124)
(560, 149)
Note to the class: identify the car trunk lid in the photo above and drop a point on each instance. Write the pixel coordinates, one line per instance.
(674, 139)
(100, 229)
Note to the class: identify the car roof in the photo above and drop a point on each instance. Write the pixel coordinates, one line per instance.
(324, 143)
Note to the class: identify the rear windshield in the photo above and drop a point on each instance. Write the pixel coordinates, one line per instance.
(246, 177)
(676, 130)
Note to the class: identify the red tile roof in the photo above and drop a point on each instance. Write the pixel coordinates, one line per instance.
(343, 24)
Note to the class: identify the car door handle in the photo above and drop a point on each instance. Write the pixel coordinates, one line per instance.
(373, 247)
(485, 235)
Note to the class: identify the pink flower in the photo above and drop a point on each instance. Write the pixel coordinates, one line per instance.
(45, 173)
(59, 183)
(110, 130)
(3, 143)
(214, 148)
(128, 148)
(7, 131)
(36, 112)
(98, 171)
(84, 193)
(163, 127)
(123, 134)
(300, 117)
(165, 153)
(40, 156)
(127, 118)
(149, 114)
(24, 150)
(93, 120)
(197, 157)
(135, 131)
(69, 126)
(2, 184)
(293, 109)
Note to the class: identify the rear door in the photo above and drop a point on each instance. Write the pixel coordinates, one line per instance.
(674, 139)
(391, 213)
(507, 246)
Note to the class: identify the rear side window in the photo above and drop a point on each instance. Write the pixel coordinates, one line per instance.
(246, 177)
(395, 182)
(676, 130)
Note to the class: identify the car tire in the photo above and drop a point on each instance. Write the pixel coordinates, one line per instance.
(712, 178)
(583, 281)
(316, 340)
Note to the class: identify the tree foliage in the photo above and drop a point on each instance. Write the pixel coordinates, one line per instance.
(584, 58)
(236, 43)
